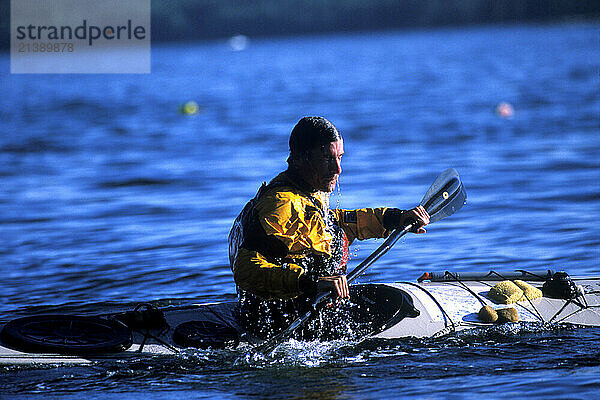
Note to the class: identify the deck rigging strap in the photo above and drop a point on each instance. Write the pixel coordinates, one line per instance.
(219, 317)
(575, 300)
(457, 278)
(142, 321)
(453, 325)
(442, 276)
(574, 295)
(581, 308)
(561, 286)
(483, 303)
(537, 312)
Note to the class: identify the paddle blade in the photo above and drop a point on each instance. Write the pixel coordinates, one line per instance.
(446, 195)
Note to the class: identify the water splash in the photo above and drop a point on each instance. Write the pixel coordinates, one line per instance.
(296, 353)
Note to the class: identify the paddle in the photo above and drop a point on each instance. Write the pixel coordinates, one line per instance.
(445, 196)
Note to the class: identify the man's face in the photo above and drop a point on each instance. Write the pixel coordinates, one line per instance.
(324, 166)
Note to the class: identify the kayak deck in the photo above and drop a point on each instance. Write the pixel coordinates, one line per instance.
(447, 307)
(397, 310)
(144, 341)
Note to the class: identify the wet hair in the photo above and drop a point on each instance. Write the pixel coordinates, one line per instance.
(311, 132)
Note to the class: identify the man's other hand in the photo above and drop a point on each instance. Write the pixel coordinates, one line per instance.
(394, 218)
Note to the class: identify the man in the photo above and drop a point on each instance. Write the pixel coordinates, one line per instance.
(287, 244)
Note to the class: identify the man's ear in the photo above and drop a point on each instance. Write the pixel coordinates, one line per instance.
(300, 158)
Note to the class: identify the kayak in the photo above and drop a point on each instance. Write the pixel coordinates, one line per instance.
(437, 304)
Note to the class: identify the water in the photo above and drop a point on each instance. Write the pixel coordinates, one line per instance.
(111, 196)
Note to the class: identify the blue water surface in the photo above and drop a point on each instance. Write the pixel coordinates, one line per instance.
(111, 196)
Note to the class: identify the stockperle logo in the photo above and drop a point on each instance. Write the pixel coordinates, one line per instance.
(80, 36)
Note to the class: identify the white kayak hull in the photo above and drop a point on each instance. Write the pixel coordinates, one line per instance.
(447, 307)
(443, 308)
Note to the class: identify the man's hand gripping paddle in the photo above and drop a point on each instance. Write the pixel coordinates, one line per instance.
(445, 196)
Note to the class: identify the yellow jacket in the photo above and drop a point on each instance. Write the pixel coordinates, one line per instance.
(289, 225)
